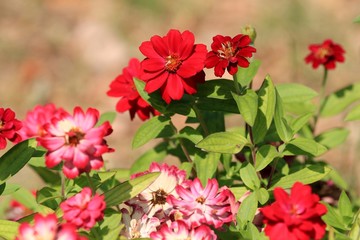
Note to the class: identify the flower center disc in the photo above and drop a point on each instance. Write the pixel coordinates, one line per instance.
(227, 51)
(173, 63)
(74, 136)
(159, 197)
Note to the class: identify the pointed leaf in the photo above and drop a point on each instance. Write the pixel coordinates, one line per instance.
(300, 121)
(223, 142)
(191, 134)
(154, 99)
(219, 89)
(294, 92)
(354, 114)
(150, 130)
(206, 166)
(333, 137)
(264, 156)
(267, 100)
(248, 208)
(304, 146)
(248, 105)
(282, 127)
(345, 206)
(16, 158)
(244, 76)
(107, 116)
(249, 177)
(129, 189)
(8, 229)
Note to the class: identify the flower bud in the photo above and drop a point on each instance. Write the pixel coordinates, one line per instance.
(250, 31)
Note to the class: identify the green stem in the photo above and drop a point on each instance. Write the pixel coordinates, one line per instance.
(62, 178)
(201, 120)
(321, 99)
(272, 173)
(91, 183)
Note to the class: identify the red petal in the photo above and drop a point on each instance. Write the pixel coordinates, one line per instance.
(156, 83)
(174, 87)
(160, 46)
(187, 44)
(174, 41)
(153, 64)
(147, 49)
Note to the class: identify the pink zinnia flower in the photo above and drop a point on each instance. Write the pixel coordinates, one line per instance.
(326, 53)
(153, 198)
(83, 210)
(173, 64)
(296, 216)
(123, 86)
(179, 230)
(33, 125)
(9, 127)
(229, 53)
(46, 227)
(201, 205)
(77, 141)
(138, 224)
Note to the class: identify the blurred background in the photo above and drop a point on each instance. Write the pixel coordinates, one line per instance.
(68, 51)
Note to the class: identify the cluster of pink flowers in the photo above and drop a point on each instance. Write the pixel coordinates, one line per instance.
(174, 207)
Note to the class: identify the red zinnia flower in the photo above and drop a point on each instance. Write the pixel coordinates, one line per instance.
(123, 86)
(229, 53)
(325, 54)
(296, 216)
(9, 127)
(173, 64)
(77, 141)
(82, 210)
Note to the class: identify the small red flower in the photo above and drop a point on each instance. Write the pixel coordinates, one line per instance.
(326, 53)
(9, 127)
(296, 216)
(82, 210)
(229, 53)
(123, 86)
(173, 64)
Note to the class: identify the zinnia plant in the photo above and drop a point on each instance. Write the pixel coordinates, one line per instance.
(266, 178)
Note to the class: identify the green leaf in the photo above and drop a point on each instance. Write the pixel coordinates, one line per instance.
(8, 188)
(333, 218)
(249, 177)
(333, 137)
(300, 108)
(107, 116)
(16, 158)
(262, 195)
(248, 208)
(238, 191)
(300, 121)
(355, 229)
(264, 156)
(129, 189)
(219, 89)
(111, 226)
(248, 105)
(25, 197)
(8, 229)
(357, 19)
(211, 104)
(267, 100)
(282, 127)
(306, 175)
(304, 146)
(206, 166)
(46, 194)
(155, 100)
(345, 206)
(353, 114)
(295, 93)
(155, 154)
(340, 100)
(191, 134)
(47, 175)
(223, 142)
(245, 75)
(150, 130)
(187, 167)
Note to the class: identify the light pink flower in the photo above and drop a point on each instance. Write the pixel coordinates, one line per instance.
(179, 230)
(46, 228)
(33, 125)
(83, 210)
(138, 224)
(204, 205)
(76, 141)
(153, 199)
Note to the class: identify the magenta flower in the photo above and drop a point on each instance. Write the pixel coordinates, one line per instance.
(296, 216)
(83, 210)
(76, 141)
(33, 125)
(204, 205)
(9, 127)
(179, 230)
(46, 227)
(173, 64)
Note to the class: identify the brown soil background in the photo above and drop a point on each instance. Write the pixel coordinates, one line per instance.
(68, 51)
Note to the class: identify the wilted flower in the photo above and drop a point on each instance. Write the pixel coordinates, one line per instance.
(173, 64)
(326, 53)
(83, 210)
(9, 127)
(296, 216)
(229, 53)
(123, 86)
(77, 141)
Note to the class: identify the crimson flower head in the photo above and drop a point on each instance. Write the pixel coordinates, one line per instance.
(77, 141)
(123, 86)
(229, 53)
(46, 227)
(33, 125)
(296, 216)
(9, 127)
(173, 64)
(326, 53)
(83, 210)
